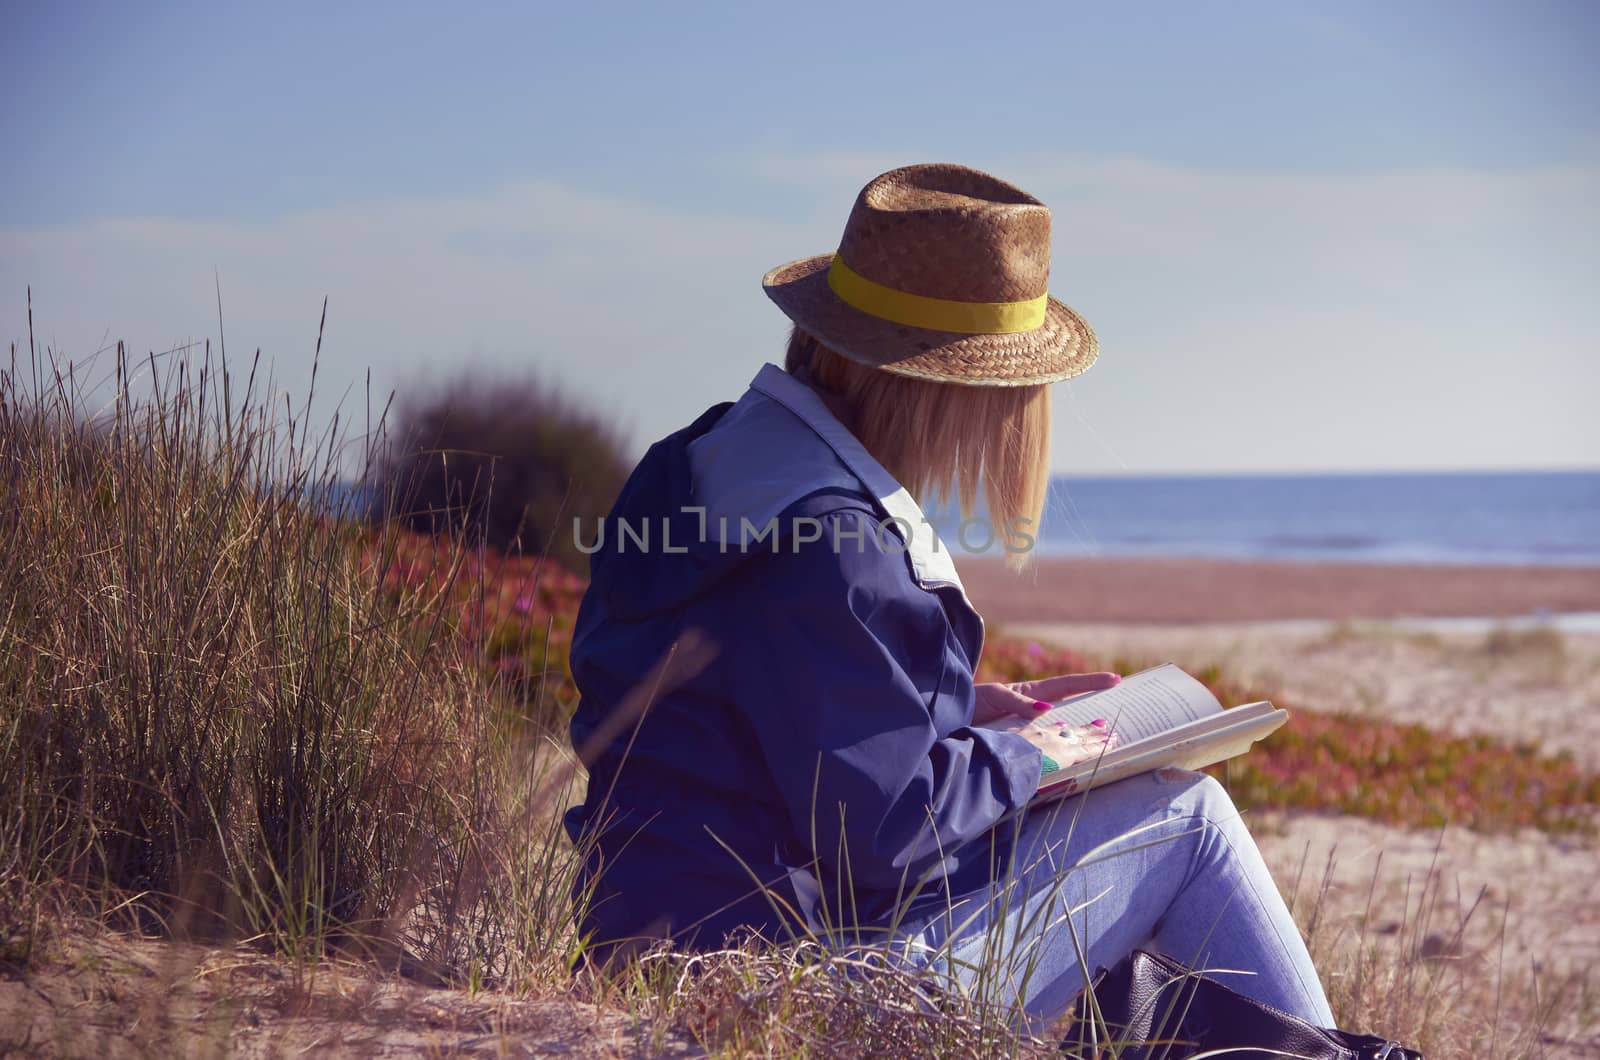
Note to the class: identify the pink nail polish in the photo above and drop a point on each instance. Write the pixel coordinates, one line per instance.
(1098, 723)
(1040, 705)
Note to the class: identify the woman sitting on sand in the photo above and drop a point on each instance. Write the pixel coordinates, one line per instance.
(776, 656)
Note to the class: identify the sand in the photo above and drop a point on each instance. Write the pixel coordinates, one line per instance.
(1204, 590)
(1521, 878)
(113, 996)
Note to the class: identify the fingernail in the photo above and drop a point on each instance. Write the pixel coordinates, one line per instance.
(1041, 705)
(1098, 723)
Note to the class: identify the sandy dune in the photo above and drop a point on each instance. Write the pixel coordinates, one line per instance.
(1207, 590)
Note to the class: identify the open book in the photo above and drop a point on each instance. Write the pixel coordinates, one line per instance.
(1162, 717)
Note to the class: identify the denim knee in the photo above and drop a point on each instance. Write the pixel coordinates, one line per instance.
(1198, 795)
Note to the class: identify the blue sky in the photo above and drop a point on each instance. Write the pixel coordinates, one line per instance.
(1332, 236)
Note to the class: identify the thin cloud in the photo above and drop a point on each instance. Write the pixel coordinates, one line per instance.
(1285, 297)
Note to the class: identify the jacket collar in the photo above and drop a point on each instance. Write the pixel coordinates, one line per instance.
(930, 559)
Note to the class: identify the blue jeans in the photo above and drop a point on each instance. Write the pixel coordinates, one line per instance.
(1160, 861)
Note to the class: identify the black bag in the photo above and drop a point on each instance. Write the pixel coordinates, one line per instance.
(1172, 1011)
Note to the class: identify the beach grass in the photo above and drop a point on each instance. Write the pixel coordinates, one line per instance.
(236, 720)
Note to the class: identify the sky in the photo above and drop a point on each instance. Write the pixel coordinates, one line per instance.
(1310, 237)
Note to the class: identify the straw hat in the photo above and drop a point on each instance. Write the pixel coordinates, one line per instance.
(941, 274)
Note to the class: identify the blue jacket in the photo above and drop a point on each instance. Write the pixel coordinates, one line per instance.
(777, 726)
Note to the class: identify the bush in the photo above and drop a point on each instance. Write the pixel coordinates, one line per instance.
(510, 462)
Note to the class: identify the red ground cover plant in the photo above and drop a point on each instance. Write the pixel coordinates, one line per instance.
(1340, 763)
(522, 609)
(519, 609)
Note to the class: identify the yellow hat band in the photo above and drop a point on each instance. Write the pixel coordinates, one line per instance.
(935, 314)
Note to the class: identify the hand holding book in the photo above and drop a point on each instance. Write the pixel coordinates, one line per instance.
(1065, 745)
(1028, 699)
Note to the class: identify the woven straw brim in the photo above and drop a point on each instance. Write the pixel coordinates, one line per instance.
(1060, 348)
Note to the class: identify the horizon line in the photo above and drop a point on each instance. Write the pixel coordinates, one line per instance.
(1592, 469)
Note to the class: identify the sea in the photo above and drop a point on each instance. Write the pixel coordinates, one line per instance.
(1544, 517)
(1467, 517)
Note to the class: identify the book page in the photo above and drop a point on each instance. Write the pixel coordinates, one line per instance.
(1143, 705)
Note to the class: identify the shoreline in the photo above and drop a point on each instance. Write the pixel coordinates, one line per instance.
(1184, 591)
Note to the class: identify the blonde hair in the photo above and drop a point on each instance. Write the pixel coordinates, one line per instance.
(944, 439)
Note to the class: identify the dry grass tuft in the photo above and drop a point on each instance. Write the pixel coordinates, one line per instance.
(1543, 641)
(219, 718)
(804, 1000)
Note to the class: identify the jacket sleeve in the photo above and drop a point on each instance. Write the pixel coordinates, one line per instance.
(850, 737)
